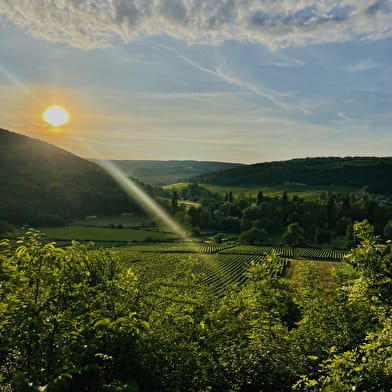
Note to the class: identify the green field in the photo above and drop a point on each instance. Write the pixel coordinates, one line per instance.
(325, 268)
(103, 234)
(124, 220)
(306, 192)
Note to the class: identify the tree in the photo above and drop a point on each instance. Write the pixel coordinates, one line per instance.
(322, 236)
(5, 227)
(363, 308)
(284, 197)
(252, 236)
(260, 197)
(251, 213)
(219, 238)
(67, 318)
(294, 235)
(346, 206)
(349, 237)
(174, 200)
(388, 231)
(196, 231)
(373, 263)
(331, 210)
(341, 225)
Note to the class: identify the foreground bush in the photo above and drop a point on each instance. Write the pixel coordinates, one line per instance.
(67, 319)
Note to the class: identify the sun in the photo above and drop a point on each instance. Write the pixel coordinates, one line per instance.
(56, 116)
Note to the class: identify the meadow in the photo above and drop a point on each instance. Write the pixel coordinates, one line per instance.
(100, 234)
(306, 192)
(128, 220)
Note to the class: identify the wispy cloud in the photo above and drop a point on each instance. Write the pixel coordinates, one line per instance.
(96, 23)
(283, 61)
(15, 80)
(364, 65)
(220, 73)
(344, 116)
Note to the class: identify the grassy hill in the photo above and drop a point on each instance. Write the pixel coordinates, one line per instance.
(371, 172)
(42, 184)
(162, 173)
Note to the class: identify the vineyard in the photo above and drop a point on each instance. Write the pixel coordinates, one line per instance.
(259, 251)
(224, 270)
(217, 265)
(192, 248)
(320, 254)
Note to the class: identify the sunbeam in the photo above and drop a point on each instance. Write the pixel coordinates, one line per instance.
(136, 193)
(14, 79)
(142, 198)
(153, 208)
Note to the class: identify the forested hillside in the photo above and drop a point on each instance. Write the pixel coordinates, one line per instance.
(168, 172)
(42, 184)
(371, 172)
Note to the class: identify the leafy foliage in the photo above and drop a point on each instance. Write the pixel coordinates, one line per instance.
(67, 316)
(81, 320)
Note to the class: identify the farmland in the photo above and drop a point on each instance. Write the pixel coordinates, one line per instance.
(308, 193)
(220, 265)
(100, 234)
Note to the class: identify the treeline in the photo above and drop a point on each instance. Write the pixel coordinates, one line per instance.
(372, 172)
(78, 320)
(299, 222)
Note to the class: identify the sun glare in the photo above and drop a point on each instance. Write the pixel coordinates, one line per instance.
(56, 116)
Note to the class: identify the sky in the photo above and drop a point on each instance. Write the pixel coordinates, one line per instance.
(220, 80)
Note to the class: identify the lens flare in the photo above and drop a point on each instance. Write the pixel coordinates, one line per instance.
(142, 198)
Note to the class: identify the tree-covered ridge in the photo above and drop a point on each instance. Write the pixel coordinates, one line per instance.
(42, 184)
(160, 173)
(371, 172)
(80, 320)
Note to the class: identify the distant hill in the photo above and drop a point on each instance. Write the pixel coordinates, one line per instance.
(162, 173)
(43, 184)
(371, 172)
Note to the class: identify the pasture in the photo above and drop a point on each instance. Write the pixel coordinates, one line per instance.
(306, 192)
(83, 233)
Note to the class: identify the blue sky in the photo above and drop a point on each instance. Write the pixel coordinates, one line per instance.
(235, 80)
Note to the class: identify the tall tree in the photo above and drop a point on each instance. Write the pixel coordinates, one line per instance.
(294, 235)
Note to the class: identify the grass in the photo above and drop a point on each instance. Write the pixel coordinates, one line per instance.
(325, 268)
(103, 234)
(306, 192)
(126, 221)
(188, 203)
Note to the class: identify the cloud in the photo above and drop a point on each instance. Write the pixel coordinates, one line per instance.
(99, 23)
(222, 74)
(364, 65)
(344, 116)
